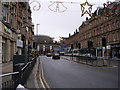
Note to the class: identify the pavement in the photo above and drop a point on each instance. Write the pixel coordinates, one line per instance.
(33, 80)
(98, 62)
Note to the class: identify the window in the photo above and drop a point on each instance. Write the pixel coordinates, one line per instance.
(118, 35)
(5, 13)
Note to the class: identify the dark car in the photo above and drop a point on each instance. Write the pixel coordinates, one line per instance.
(49, 54)
(56, 56)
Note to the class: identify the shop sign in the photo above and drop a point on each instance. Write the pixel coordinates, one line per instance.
(7, 30)
(115, 46)
(50, 47)
(99, 48)
(19, 43)
(38, 48)
(108, 47)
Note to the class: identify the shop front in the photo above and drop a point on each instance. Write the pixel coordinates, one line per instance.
(115, 50)
(19, 46)
(99, 51)
(8, 44)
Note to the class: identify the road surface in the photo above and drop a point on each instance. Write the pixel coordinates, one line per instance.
(61, 73)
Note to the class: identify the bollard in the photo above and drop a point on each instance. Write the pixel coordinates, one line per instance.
(105, 61)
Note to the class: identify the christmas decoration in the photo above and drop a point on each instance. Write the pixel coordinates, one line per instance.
(36, 6)
(86, 8)
(109, 8)
(58, 6)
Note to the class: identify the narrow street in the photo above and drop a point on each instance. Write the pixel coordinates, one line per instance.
(60, 73)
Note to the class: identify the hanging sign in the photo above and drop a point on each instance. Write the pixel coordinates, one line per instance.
(7, 30)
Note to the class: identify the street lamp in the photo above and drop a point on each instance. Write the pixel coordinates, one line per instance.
(37, 37)
(37, 29)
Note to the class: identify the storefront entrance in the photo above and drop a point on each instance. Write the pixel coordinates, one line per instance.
(115, 48)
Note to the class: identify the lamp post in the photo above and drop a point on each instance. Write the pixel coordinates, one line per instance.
(37, 38)
(37, 29)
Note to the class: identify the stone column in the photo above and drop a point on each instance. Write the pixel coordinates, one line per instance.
(0, 49)
(7, 51)
(0, 42)
(14, 48)
(0, 32)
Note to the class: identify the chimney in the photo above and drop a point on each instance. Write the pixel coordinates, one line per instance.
(76, 31)
(69, 34)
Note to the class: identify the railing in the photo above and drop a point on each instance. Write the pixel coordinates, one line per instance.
(94, 61)
(11, 80)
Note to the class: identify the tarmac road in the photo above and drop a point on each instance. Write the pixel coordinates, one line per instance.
(61, 73)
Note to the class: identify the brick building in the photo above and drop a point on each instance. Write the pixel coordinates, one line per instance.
(16, 29)
(72, 39)
(100, 32)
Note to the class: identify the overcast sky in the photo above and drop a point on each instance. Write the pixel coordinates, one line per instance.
(57, 24)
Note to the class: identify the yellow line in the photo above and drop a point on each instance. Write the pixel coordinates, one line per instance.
(44, 77)
(41, 82)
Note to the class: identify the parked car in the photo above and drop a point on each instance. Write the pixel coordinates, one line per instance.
(49, 54)
(56, 56)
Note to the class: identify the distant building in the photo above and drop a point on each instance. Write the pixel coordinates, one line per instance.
(62, 45)
(45, 44)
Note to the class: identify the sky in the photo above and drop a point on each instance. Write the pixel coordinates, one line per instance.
(60, 24)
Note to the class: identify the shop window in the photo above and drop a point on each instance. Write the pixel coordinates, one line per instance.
(108, 38)
(118, 35)
(114, 37)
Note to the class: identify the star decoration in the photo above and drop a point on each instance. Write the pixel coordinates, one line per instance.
(86, 8)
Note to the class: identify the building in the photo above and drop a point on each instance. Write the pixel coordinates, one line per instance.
(45, 44)
(101, 32)
(0, 33)
(9, 35)
(72, 39)
(62, 45)
(16, 29)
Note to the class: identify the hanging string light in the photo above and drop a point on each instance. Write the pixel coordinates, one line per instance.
(59, 6)
(83, 7)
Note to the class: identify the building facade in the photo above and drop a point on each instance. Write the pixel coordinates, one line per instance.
(0, 32)
(101, 32)
(45, 44)
(16, 29)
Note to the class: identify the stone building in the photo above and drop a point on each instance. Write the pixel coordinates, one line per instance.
(0, 33)
(101, 31)
(16, 30)
(72, 39)
(45, 44)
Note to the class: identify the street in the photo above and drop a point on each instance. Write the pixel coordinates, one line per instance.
(60, 73)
